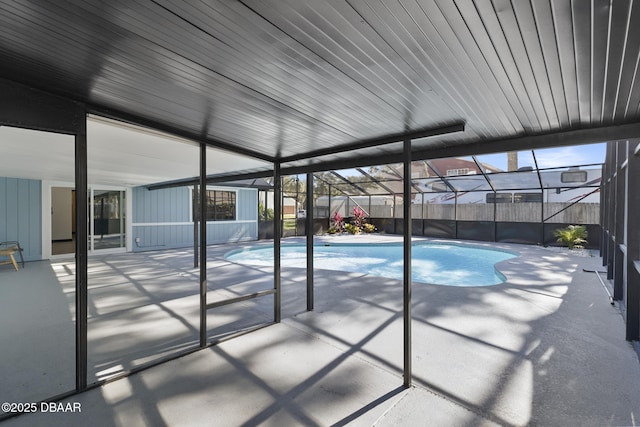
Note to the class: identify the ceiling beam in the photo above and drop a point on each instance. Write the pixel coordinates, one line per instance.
(389, 139)
(550, 140)
(558, 139)
(211, 179)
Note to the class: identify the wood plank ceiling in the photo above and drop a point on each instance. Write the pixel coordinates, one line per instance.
(279, 79)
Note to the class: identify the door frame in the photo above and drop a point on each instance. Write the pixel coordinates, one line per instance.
(47, 226)
(128, 229)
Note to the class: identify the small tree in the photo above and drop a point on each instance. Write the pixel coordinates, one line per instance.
(360, 221)
(573, 236)
(338, 223)
(358, 216)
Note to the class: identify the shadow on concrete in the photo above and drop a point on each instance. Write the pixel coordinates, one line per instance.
(544, 348)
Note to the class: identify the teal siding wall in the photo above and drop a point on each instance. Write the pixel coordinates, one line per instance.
(162, 219)
(21, 214)
(168, 205)
(247, 201)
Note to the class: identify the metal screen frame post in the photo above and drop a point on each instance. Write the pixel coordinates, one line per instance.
(406, 207)
(329, 207)
(82, 234)
(542, 204)
(455, 214)
(612, 166)
(603, 214)
(195, 204)
(619, 205)
(203, 245)
(309, 227)
(633, 244)
(277, 236)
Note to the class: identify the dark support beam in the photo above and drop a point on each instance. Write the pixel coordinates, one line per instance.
(82, 235)
(611, 165)
(195, 203)
(388, 139)
(558, 139)
(217, 179)
(603, 214)
(535, 162)
(203, 245)
(329, 205)
(620, 248)
(633, 244)
(406, 208)
(277, 236)
(309, 228)
(24, 107)
(550, 140)
(28, 108)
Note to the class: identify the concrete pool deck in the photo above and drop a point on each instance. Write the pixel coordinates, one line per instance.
(544, 348)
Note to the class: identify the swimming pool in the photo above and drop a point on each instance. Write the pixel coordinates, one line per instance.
(436, 263)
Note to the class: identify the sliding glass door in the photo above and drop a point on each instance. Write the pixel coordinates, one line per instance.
(107, 210)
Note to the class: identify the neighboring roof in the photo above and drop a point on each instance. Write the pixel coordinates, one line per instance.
(284, 80)
(446, 166)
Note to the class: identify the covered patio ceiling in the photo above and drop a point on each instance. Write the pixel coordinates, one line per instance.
(118, 155)
(301, 82)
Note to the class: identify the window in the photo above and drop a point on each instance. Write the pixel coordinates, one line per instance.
(221, 206)
(499, 197)
(456, 172)
(527, 197)
(574, 176)
(438, 187)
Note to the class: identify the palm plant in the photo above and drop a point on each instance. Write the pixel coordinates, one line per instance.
(573, 236)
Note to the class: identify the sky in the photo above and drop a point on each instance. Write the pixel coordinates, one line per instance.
(547, 158)
(552, 157)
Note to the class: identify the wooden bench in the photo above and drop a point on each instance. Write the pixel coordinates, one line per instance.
(8, 252)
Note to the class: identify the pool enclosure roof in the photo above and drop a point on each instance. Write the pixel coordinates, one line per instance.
(531, 170)
(320, 85)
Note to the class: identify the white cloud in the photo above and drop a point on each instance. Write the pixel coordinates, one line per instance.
(570, 156)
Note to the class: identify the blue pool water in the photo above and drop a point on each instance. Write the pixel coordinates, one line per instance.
(435, 263)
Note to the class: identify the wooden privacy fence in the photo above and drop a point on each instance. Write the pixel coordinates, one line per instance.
(579, 213)
(565, 213)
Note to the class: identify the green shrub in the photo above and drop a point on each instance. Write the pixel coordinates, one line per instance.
(368, 228)
(265, 215)
(573, 236)
(352, 229)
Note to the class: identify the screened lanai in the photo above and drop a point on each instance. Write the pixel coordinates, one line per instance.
(301, 88)
(519, 197)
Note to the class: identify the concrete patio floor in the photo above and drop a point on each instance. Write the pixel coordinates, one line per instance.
(544, 348)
